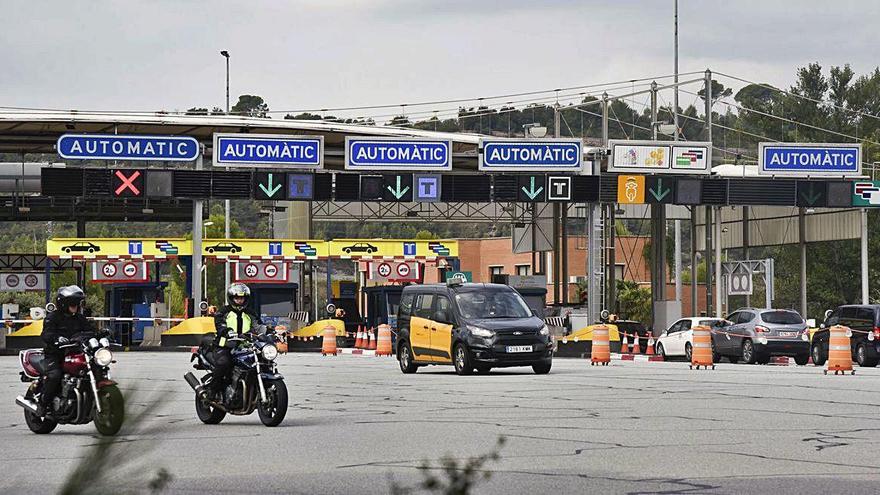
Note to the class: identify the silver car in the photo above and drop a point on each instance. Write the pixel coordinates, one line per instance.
(756, 335)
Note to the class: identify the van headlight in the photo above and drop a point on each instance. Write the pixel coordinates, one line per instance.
(270, 352)
(481, 332)
(103, 357)
(545, 331)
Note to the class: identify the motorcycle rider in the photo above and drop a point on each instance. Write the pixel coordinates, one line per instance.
(234, 319)
(58, 327)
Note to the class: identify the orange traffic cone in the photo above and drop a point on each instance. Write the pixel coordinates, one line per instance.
(600, 352)
(372, 344)
(839, 351)
(637, 349)
(359, 341)
(701, 352)
(328, 346)
(650, 350)
(383, 347)
(624, 344)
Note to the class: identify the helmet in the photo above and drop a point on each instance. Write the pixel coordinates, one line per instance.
(238, 289)
(68, 296)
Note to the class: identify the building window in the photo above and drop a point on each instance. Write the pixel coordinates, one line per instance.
(495, 270)
(523, 270)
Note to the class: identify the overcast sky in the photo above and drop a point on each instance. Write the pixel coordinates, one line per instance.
(151, 55)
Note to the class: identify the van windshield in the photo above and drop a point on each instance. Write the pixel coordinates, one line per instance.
(492, 304)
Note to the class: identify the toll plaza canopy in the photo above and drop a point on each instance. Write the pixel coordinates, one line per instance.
(38, 132)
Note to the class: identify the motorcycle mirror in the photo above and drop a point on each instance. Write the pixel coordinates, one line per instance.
(50, 307)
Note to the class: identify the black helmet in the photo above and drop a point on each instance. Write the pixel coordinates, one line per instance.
(238, 289)
(68, 296)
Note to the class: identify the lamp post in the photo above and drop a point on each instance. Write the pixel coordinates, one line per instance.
(226, 202)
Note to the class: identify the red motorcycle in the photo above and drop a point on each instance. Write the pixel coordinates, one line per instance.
(87, 393)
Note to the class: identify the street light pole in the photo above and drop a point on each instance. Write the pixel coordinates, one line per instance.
(226, 202)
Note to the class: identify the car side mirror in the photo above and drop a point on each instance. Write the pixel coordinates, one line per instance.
(828, 313)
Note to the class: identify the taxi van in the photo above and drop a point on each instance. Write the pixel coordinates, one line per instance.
(470, 326)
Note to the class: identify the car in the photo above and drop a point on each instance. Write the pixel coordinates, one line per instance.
(631, 327)
(864, 321)
(470, 326)
(81, 247)
(224, 247)
(360, 247)
(678, 339)
(756, 335)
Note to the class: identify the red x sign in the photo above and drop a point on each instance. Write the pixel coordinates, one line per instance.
(128, 183)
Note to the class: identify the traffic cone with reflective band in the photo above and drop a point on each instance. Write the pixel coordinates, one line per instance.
(637, 349)
(839, 352)
(624, 344)
(383, 346)
(601, 347)
(328, 346)
(650, 350)
(701, 350)
(359, 341)
(372, 344)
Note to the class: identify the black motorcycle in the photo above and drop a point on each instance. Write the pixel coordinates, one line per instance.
(255, 383)
(87, 392)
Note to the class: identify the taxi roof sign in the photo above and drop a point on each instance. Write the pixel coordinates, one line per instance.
(456, 279)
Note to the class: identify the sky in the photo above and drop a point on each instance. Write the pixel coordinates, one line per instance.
(313, 54)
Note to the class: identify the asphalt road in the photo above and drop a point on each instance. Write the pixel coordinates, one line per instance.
(357, 425)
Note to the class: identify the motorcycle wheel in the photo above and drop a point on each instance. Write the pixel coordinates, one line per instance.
(273, 411)
(38, 425)
(109, 420)
(207, 413)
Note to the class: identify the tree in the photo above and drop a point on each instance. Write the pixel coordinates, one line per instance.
(633, 301)
(251, 106)
(197, 111)
(718, 92)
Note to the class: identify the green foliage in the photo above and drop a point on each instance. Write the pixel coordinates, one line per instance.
(633, 301)
(458, 478)
(251, 106)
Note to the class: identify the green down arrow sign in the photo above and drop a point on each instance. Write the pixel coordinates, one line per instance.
(659, 192)
(268, 188)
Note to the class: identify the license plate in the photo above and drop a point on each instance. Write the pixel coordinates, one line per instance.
(788, 334)
(519, 348)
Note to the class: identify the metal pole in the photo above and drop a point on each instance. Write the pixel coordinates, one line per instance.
(695, 307)
(675, 97)
(593, 254)
(564, 256)
(718, 262)
(612, 261)
(226, 206)
(556, 270)
(708, 117)
(708, 260)
(746, 242)
(678, 260)
(864, 215)
(802, 242)
(197, 227)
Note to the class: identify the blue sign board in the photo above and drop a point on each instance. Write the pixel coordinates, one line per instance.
(810, 159)
(409, 249)
(135, 248)
(538, 155)
(427, 187)
(397, 154)
(119, 147)
(300, 186)
(275, 249)
(268, 150)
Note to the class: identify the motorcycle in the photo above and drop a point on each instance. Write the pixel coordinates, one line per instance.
(87, 393)
(255, 383)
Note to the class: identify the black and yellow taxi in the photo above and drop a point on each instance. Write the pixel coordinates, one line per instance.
(470, 326)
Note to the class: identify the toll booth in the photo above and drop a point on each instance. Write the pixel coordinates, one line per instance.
(382, 304)
(274, 301)
(132, 300)
(532, 288)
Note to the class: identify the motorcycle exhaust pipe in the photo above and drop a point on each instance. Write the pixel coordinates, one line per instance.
(27, 404)
(193, 381)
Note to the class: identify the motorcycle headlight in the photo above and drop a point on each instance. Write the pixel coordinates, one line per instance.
(105, 342)
(270, 352)
(93, 343)
(480, 331)
(103, 357)
(545, 330)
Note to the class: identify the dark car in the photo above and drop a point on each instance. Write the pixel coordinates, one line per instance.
(756, 335)
(81, 247)
(470, 326)
(360, 247)
(224, 247)
(864, 321)
(630, 327)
